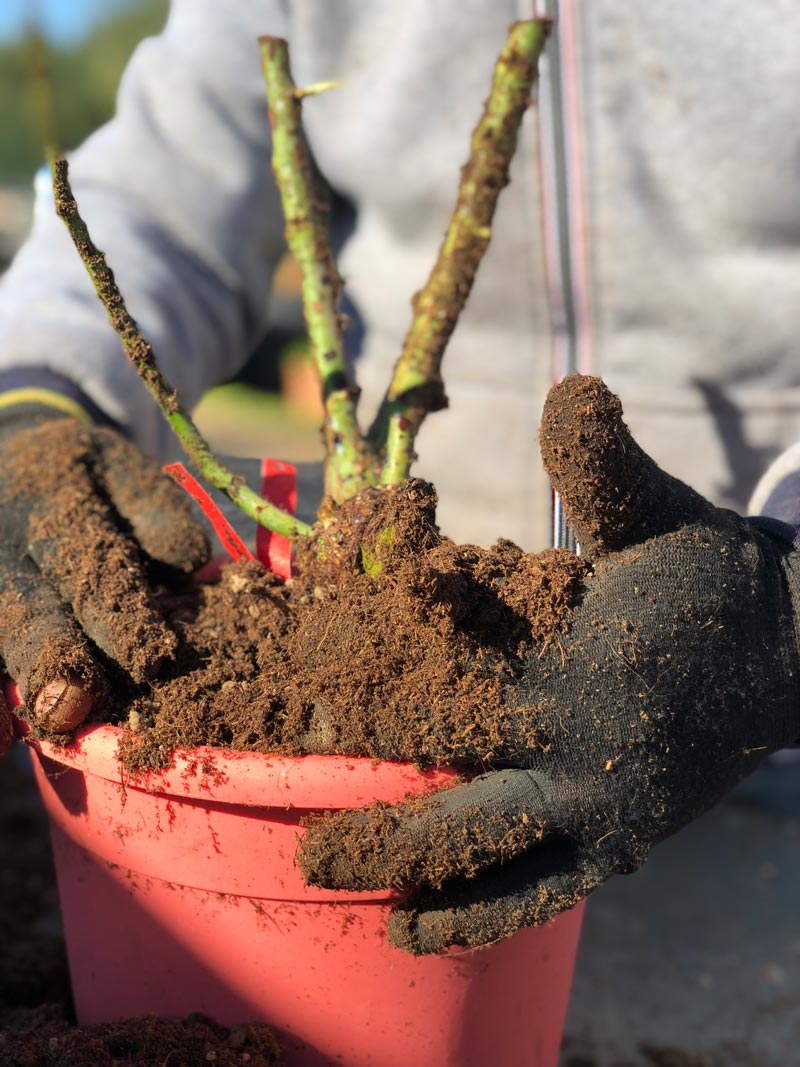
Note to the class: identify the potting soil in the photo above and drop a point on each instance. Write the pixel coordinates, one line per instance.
(393, 642)
(412, 661)
(42, 1038)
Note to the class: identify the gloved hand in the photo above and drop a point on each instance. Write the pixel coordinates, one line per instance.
(678, 674)
(85, 518)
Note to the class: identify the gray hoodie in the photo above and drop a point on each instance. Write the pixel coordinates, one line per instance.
(650, 233)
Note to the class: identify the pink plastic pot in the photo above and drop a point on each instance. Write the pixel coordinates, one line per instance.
(179, 894)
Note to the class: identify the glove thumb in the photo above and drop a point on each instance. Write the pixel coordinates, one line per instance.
(614, 494)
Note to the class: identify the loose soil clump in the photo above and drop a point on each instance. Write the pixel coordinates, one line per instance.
(42, 1039)
(392, 642)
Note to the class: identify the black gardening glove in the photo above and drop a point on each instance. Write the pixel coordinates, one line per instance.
(85, 519)
(676, 675)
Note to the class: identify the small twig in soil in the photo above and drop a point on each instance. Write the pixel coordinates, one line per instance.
(350, 462)
(139, 351)
(417, 388)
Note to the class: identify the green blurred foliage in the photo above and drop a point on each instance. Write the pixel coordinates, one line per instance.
(84, 80)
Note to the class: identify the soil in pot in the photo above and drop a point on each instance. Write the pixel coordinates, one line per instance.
(393, 642)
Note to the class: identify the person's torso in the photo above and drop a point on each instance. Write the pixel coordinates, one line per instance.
(649, 234)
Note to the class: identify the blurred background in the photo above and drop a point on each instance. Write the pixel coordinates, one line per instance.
(79, 48)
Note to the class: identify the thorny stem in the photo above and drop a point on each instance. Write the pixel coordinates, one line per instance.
(350, 463)
(353, 461)
(140, 353)
(416, 387)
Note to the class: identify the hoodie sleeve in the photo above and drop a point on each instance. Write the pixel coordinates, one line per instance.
(177, 190)
(777, 494)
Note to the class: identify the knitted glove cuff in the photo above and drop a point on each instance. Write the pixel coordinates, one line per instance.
(35, 392)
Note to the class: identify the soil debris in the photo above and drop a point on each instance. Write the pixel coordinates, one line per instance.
(39, 1038)
(395, 646)
(382, 845)
(393, 642)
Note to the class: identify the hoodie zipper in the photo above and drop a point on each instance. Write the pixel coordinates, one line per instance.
(563, 196)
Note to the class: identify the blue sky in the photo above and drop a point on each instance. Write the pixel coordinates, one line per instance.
(63, 21)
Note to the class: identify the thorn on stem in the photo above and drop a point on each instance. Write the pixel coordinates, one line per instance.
(313, 90)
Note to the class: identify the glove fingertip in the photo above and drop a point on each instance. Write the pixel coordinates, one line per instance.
(348, 850)
(167, 529)
(62, 705)
(159, 513)
(316, 860)
(615, 495)
(181, 544)
(407, 930)
(425, 932)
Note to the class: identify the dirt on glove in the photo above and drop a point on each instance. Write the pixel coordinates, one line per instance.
(374, 840)
(68, 499)
(617, 493)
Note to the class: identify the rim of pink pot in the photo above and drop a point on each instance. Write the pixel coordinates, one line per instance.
(251, 778)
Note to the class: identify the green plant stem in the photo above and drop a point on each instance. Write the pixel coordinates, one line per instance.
(140, 353)
(399, 452)
(350, 463)
(416, 387)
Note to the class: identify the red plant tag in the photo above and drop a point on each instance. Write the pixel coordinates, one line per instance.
(279, 486)
(231, 541)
